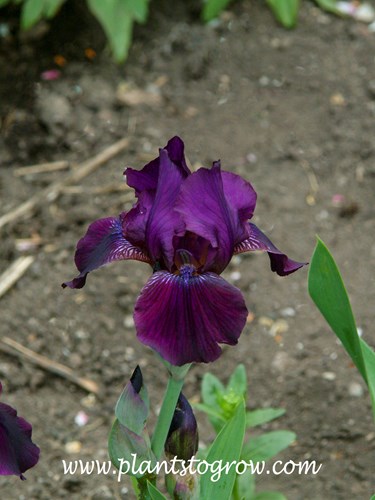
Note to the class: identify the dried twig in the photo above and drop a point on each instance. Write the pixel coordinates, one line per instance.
(51, 192)
(107, 189)
(41, 168)
(14, 272)
(13, 348)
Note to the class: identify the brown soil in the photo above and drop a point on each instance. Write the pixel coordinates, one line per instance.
(283, 109)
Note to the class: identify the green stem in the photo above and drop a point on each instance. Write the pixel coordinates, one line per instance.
(165, 416)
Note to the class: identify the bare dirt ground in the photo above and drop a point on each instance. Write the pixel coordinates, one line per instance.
(293, 112)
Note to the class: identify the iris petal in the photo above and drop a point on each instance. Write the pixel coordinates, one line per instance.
(280, 263)
(147, 178)
(104, 242)
(241, 198)
(164, 222)
(205, 211)
(185, 316)
(17, 452)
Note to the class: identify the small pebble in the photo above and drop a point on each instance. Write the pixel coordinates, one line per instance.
(235, 276)
(129, 321)
(73, 447)
(329, 376)
(81, 418)
(355, 389)
(288, 312)
(264, 81)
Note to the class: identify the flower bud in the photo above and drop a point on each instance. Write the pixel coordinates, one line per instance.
(182, 440)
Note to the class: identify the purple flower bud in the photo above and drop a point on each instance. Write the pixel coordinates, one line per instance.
(132, 408)
(182, 439)
(17, 451)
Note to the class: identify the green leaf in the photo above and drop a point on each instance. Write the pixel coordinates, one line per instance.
(269, 495)
(123, 444)
(116, 17)
(34, 10)
(154, 493)
(285, 11)
(212, 8)
(245, 485)
(139, 10)
(211, 387)
(262, 416)
(238, 381)
(327, 290)
(31, 13)
(51, 7)
(3, 2)
(226, 448)
(209, 411)
(267, 445)
(212, 391)
(329, 6)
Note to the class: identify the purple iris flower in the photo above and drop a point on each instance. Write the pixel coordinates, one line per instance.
(187, 226)
(17, 452)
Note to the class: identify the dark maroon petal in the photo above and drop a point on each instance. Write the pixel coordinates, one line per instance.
(182, 440)
(280, 263)
(147, 178)
(185, 316)
(205, 211)
(175, 148)
(17, 452)
(164, 222)
(134, 222)
(104, 242)
(241, 198)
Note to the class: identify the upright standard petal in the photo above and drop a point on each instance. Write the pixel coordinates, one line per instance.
(184, 316)
(241, 198)
(164, 222)
(17, 451)
(104, 242)
(147, 178)
(204, 209)
(280, 263)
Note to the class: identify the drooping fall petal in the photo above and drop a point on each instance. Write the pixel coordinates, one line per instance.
(103, 242)
(17, 451)
(184, 317)
(258, 241)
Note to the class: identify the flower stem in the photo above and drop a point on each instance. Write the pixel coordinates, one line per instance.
(165, 416)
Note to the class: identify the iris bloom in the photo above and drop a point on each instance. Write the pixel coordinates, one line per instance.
(17, 452)
(187, 226)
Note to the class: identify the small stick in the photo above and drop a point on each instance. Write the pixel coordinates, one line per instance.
(14, 272)
(12, 347)
(53, 191)
(41, 168)
(108, 189)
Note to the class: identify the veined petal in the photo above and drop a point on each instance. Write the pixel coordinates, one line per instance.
(134, 222)
(103, 243)
(147, 178)
(164, 222)
(17, 451)
(204, 209)
(280, 263)
(185, 316)
(241, 198)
